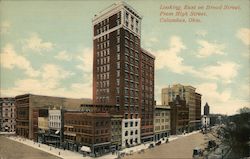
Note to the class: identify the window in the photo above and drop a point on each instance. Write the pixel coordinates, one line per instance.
(118, 48)
(118, 65)
(108, 51)
(117, 90)
(118, 73)
(118, 82)
(126, 116)
(131, 132)
(126, 125)
(118, 56)
(131, 124)
(118, 39)
(136, 132)
(126, 133)
(118, 22)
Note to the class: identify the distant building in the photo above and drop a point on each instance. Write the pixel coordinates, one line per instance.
(179, 116)
(206, 109)
(192, 98)
(26, 117)
(161, 122)
(7, 114)
(205, 120)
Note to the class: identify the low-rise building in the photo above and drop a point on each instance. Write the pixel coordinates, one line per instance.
(89, 132)
(7, 115)
(25, 104)
(116, 132)
(161, 122)
(56, 126)
(131, 132)
(179, 116)
(40, 124)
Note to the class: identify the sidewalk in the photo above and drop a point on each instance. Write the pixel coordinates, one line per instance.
(66, 154)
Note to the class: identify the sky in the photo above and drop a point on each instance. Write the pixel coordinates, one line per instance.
(46, 48)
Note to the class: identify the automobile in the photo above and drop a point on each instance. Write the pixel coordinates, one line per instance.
(197, 152)
(151, 146)
(158, 143)
(211, 144)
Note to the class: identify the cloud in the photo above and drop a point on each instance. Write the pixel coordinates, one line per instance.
(64, 56)
(170, 59)
(53, 74)
(10, 60)
(5, 27)
(207, 49)
(224, 71)
(36, 86)
(244, 35)
(220, 101)
(86, 59)
(48, 83)
(35, 43)
(201, 33)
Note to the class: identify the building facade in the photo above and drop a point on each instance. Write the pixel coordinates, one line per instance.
(147, 96)
(7, 115)
(206, 109)
(116, 121)
(131, 132)
(56, 126)
(116, 132)
(179, 116)
(192, 98)
(117, 66)
(161, 122)
(89, 130)
(27, 111)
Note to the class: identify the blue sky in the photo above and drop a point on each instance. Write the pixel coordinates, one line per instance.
(46, 48)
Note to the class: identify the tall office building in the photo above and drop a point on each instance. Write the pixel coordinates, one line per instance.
(192, 98)
(123, 73)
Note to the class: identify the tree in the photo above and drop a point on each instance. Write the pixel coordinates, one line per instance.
(236, 134)
(244, 110)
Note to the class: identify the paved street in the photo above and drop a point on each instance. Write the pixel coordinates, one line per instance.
(10, 149)
(180, 148)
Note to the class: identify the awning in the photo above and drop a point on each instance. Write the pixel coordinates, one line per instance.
(57, 131)
(85, 148)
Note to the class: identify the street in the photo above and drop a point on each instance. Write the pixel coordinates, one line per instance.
(10, 149)
(180, 148)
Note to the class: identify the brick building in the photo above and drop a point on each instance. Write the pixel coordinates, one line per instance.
(179, 116)
(90, 130)
(116, 121)
(27, 111)
(121, 69)
(7, 115)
